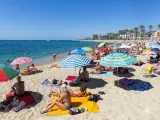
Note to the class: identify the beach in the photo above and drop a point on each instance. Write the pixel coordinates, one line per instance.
(117, 104)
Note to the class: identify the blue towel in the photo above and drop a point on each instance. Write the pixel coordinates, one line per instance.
(46, 83)
(107, 73)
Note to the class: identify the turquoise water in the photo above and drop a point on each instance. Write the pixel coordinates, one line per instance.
(11, 49)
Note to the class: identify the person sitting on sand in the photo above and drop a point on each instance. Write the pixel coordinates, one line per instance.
(17, 67)
(33, 68)
(84, 76)
(63, 101)
(80, 92)
(97, 69)
(18, 88)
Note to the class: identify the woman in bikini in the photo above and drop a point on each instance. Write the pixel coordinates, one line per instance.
(63, 101)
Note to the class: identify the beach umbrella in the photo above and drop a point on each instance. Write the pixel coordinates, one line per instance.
(87, 48)
(79, 51)
(156, 50)
(74, 61)
(7, 73)
(21, 61)
(148, 52)
(155, 46)
(125, 46)
(117, 59)
(101, 44)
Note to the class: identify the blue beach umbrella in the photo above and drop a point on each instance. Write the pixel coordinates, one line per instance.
(74, 61)
(79, 51)
(117, 59)
(156, 50)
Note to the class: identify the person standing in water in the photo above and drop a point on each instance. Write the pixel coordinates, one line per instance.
(54, 56)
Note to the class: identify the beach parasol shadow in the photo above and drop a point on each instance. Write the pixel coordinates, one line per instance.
(95, 83)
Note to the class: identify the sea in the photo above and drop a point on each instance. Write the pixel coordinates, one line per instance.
(39, 50)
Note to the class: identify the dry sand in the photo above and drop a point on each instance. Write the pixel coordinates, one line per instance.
(117, 104)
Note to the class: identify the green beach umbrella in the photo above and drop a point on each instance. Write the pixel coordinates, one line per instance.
(7, 73)
(117, 59)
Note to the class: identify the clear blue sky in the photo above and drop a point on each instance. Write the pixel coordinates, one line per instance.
(73, 19)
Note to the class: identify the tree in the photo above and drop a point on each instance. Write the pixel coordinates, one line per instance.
(150, 30)
(142, 28)
(158, 26)
(136, 32)
(150, 27)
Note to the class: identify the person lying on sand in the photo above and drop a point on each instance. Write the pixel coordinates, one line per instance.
(55, 65)
(80, 92)
(54, 81)
(63, 101)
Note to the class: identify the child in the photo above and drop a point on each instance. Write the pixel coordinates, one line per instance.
(81, 92)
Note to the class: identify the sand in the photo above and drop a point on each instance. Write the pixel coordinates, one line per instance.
(117, 104)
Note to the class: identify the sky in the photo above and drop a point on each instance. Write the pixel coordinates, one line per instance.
(73, 19)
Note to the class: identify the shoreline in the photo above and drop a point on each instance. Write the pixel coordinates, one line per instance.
(110, 40)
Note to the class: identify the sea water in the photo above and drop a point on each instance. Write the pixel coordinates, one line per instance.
(39, 50)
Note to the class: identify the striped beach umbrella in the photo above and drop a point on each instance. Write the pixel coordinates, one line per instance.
(21, 61)
(7, 73)
(79, 51)
(117, 59)
(74, 61)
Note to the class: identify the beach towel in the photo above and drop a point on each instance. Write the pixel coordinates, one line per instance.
(105, 73)
(77, 102)
(71, 78)
(47, 83)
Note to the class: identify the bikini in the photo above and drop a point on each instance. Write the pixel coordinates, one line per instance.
(66, 106)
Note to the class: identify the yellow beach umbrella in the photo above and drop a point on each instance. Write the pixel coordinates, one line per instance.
(87, 48)
(101, 44)
(148, 52)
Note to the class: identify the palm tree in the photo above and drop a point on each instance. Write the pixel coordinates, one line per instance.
(158, 26)
(150, 28)
(141, 28)
(136, 32)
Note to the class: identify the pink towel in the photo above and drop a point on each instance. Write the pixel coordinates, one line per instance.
(71, 78)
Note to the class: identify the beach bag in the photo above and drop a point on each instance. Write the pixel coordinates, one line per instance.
(74, 111)
(94, 98)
